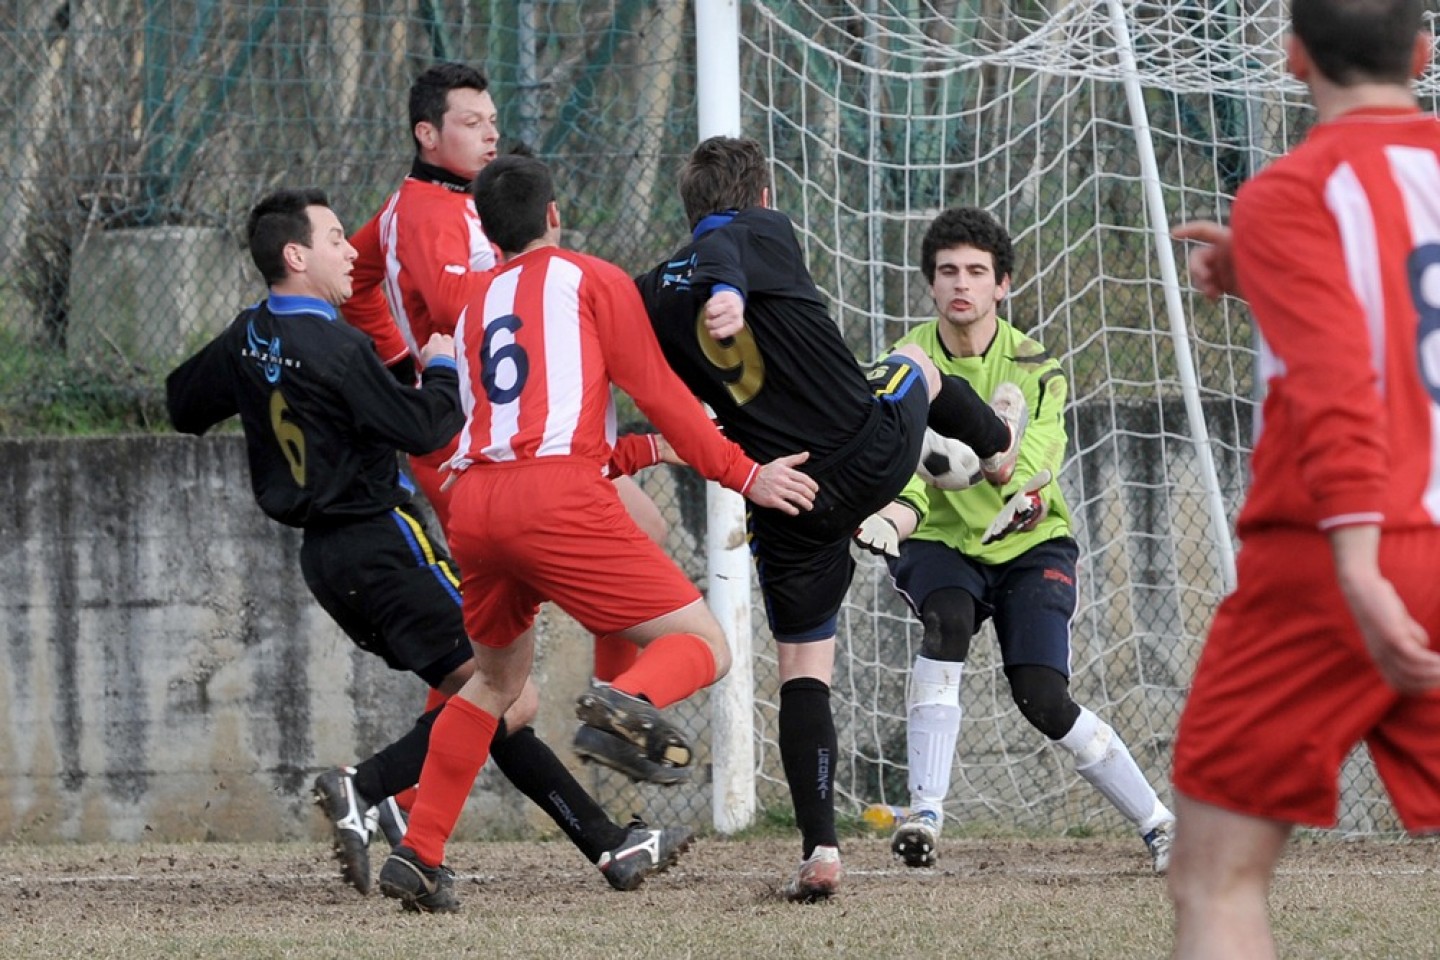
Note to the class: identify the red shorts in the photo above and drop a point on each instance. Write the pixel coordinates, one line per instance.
(554, 529)
(1285, 689)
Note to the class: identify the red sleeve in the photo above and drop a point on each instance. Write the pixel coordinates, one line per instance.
(632, 453)
(1289, 261)
(367, 310)
(637, 366)
(435, 251)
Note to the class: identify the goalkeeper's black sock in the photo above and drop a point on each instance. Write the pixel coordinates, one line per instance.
(959, 412)
(536, 772)
(808, 749)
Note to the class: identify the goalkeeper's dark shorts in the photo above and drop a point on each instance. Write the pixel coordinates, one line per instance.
(804, 562)
(392, 589)
(1031, 598)
(1285, 688)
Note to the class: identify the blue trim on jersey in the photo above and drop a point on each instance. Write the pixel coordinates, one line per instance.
(442, 361)
(281, 304)
(713, 221)
(418, 551)
(405, 482)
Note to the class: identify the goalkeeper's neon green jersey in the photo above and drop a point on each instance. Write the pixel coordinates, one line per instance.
(958, 518)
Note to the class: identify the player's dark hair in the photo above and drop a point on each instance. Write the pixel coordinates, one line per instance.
(430, 93)
(967, 227)
(723, 173)
(511, 196)
(278, 219)
(1359, 41)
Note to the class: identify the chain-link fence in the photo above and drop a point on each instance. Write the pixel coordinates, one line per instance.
(141, 131)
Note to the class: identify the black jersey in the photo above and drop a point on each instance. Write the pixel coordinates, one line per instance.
(787, 382)
(322, 417)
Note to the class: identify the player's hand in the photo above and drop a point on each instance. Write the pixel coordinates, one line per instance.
(1023, 511)
(667, 453)
(439, 345)
(879, 535)
(780, 486)
(1398, 644)
(724, 314)
(1212, 266)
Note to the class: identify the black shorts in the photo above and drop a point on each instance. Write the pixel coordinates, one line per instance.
(1031, 598)
(804, 562)
(393, 589)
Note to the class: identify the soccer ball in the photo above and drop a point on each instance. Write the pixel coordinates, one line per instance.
(946, 463)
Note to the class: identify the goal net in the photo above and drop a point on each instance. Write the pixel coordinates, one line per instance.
(1089, 128)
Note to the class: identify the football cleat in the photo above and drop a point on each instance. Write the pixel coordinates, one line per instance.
(1009, 405)
(917, 840)
(643, 853)
(350, 830)
(594, 745)
(1158, 842)
(818, 877)
(635, 720)
(419, 888)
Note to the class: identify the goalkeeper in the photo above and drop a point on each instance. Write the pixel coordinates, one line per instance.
(998, 552)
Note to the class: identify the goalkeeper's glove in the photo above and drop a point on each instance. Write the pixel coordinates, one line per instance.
(1023, 511)
(879, 535)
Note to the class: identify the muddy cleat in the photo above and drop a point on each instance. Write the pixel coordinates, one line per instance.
(1158, 842)
(917, 841)
(636, 720)
(419, 888)
(594, 745)
(350, 832)
(1009, 405)
(389, 819)
(818, 877)
(643, 852)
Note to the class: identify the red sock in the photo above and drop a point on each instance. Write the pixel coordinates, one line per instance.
(613, 656)
(405, 799)
(459, 746)
(433, 699)
(669, 669)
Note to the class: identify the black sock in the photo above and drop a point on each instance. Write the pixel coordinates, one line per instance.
(536, 772)
(959, 412)
(397, 766)
(808, 751)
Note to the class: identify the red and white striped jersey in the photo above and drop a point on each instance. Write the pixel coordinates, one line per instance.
(1337, 249)
(538, 347)
(415, 267)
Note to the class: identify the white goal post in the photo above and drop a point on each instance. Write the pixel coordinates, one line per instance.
(1089, 128)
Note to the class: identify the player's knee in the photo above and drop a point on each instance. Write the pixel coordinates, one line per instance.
(1043, 696)
(522, 712)
(721, 652)
(949, 621)
(917, 356)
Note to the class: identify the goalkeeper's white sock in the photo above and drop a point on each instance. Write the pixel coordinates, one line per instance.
(1102, 758)
(933, 728)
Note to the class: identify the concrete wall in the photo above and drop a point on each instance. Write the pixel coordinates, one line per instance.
(165, 673)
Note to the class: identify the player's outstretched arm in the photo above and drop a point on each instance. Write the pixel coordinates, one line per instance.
(780, 486)
(1398, 645)
(1212, 269)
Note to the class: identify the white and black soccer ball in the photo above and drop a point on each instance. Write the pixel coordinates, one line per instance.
(947, 464)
